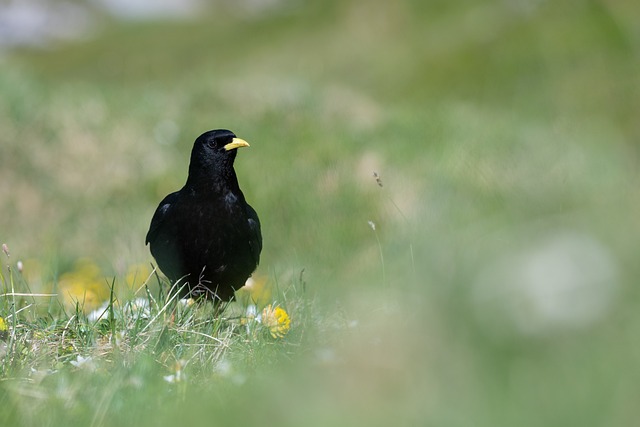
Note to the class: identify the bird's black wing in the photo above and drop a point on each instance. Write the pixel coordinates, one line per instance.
(160, 215)
(256, 239)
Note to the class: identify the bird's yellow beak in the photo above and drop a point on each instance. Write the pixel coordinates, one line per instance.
(236, 143)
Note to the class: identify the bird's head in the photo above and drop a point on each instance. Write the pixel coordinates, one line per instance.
(214, 152)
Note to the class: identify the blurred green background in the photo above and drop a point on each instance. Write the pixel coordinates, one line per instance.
(498, 284)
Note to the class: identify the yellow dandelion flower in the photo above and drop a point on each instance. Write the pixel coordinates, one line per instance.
(84, 285)
(4, 330)
(277, 320)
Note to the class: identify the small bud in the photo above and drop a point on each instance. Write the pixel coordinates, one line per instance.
(20, 266)
(5, 249)
(372, 225)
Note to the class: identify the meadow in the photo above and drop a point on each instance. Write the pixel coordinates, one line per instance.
(448, 196)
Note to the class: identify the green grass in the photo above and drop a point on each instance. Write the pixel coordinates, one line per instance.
(66, 367)
(498, 287)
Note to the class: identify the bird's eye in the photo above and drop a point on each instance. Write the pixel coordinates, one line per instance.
(211, 143)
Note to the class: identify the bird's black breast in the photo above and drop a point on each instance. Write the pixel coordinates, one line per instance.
(214, 241)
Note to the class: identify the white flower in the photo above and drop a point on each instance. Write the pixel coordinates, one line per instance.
(136, 309)
(84, 363)
(171, 378)
(179, 375)
(99, 313)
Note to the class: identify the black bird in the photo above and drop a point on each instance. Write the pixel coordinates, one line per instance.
(206, 237)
